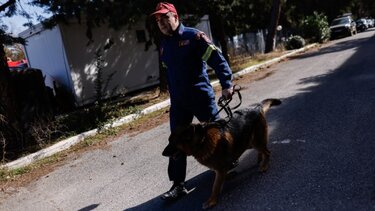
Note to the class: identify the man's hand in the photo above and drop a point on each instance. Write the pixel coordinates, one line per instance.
(227, 93)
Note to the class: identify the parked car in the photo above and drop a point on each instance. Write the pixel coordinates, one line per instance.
(362, 25)
(343, 26)
(371, 22)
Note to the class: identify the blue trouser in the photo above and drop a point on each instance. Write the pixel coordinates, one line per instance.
(182, 116)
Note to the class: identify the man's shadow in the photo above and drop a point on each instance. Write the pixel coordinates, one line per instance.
(200, 186)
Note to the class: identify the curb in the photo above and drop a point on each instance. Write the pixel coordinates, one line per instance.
(67, 143)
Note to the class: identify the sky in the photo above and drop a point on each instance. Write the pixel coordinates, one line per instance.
(15, 23)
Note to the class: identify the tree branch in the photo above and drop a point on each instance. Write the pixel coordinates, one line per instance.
(6, 5)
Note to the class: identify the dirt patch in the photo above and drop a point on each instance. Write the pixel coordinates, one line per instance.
(10, 185)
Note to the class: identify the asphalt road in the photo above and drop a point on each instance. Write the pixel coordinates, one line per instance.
(321, 139)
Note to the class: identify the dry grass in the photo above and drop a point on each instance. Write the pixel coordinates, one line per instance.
(242, 62)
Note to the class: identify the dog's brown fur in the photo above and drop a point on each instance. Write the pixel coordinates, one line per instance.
(218, 144)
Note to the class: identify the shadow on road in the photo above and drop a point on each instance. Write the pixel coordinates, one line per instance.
(200, 189)
(90, 207)
(340, 46)
(322, 146)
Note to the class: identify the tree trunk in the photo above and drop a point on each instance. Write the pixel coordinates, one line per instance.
(9, 124)
(275, 15)
(8, 109)
(163, 83)
(162, 77)
(155, 37)
(218, 31)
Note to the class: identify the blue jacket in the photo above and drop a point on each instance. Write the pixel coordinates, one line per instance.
(185, 55)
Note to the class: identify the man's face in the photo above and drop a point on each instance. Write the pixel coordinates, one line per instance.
(167, 23)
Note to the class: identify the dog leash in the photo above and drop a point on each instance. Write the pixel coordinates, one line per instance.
(224, 104)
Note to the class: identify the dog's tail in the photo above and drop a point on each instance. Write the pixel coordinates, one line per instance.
(267, 103)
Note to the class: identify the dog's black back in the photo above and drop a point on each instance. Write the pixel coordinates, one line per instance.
(245, 125)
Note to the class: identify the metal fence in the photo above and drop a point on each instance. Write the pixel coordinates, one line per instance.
(247, 43)
(252, 43)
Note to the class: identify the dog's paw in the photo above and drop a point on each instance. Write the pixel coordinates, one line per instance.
(209, 204)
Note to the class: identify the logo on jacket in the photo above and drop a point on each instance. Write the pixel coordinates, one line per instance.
(183, 43)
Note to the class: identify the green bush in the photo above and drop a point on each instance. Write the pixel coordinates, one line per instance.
(295, 42)
(316, 28)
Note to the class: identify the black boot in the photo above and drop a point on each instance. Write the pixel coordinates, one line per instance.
(176, 191)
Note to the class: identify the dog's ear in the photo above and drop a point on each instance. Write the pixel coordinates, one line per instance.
(198, 129)
(199, 132)
(179, 132)
(191, 129)
(178, 136)
(172, 137)
(171, 148)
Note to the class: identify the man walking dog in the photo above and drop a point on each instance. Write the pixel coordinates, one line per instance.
(185, 53)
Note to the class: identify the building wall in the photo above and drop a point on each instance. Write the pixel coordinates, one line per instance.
(128, 66)
(65, 54)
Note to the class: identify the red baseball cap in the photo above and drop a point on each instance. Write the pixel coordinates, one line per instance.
(163, 8)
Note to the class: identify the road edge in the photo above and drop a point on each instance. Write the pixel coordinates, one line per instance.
(67, 143)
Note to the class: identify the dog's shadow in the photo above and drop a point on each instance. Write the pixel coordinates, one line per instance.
(200, 186)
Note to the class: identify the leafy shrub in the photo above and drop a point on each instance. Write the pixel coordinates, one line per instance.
(316, 27)
(295, 42)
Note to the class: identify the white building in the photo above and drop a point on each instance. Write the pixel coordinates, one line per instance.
(63, 54)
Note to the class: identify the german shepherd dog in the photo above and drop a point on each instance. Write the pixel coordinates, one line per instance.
(219, 144)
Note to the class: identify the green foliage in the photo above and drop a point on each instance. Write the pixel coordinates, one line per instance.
(93, 117)
(240, 16)
(7, 39)
(316, 27)
(6, 174)
(295, 42)
(101, 86)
